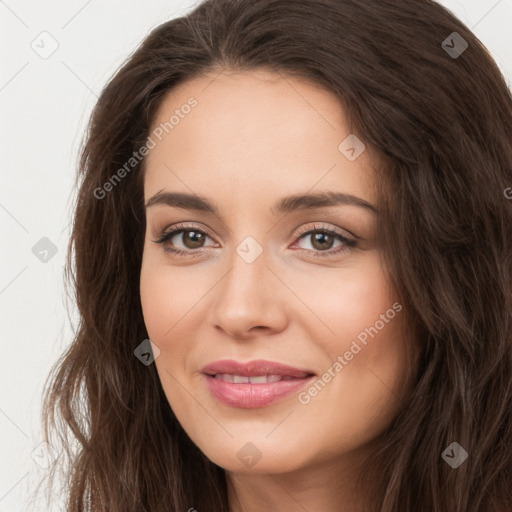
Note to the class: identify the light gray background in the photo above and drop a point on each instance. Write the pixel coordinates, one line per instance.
(44, 105)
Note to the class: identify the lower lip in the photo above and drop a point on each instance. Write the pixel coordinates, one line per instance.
(250, 396)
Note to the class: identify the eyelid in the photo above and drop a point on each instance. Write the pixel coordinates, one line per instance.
(320, 226)
(296, 234)
(183, 226)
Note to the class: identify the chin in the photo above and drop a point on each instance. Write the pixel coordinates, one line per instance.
(255, 457)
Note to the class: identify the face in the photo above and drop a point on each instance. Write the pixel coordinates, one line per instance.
(236, 280)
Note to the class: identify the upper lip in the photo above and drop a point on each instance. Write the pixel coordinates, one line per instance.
(254, 368)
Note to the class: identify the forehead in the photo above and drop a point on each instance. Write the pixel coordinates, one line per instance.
(253, 130)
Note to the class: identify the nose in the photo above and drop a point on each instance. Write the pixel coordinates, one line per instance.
(250, 300)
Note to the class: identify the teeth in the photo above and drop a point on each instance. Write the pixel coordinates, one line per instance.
(261, 379)
(242, 379)
(225, 376)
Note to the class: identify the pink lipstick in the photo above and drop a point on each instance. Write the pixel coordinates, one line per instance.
(254, 384)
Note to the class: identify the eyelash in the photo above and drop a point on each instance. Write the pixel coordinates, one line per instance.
(181, 228)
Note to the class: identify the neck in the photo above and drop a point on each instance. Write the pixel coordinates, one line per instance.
(327, 487)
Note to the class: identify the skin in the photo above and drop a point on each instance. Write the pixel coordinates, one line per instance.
(253, 138)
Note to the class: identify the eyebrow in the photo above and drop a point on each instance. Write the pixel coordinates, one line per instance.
(296, 202)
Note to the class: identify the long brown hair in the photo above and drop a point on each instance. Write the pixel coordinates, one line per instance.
(438, 114)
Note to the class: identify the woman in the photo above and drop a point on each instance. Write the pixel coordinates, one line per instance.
(292, 258)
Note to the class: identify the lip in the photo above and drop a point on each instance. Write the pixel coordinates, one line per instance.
(250, 395)
(257, 367)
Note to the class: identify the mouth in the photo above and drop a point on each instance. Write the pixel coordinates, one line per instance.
(254, 384)
(251, 379)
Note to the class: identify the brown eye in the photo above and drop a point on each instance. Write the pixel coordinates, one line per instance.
(184, 240)
(192, 239)
(321, 240)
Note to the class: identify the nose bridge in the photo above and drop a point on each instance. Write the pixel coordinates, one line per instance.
(248, 278)
(247, 297)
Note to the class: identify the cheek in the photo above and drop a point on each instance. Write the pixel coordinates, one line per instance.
(161, 306)
(157, 302)
(164, 310)
(365, 346)
(373, 340)
(173, 307)
(165, 293)
(345, 302)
